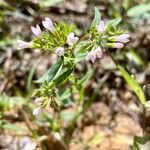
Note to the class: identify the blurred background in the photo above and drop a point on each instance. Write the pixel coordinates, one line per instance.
(115, 116)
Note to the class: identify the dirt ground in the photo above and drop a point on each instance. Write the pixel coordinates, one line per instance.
(114, 118)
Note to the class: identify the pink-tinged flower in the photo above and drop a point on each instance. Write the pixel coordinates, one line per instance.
(94, 54)
(72, 39)
(101, 27)
(23, 45)
(37, 111)
(59, 51)
(124, 38)
(48, 24)
(117, 45)
(98, 52)
(91, 56)
(38, 101)
(36, 30)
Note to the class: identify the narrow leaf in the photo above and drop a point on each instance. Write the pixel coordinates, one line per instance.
(115, 22)
(48, 3)
(97, 18)
(63, 76)
(83, 81)
(138, 10)
(29, 79)
(133, 84)
(96, 139)
(12, 127)
(50, 73)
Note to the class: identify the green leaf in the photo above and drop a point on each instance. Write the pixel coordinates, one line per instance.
(11, 127)
(7, 41)
(138, 10)
(48, 3)
(84, 80)
(66, 94)
(133, 84)
(29, 79)
(65, 98)
(68, 115)
(50, 74)
(138, 141)
(62, 77)
(80, 56)
(7, 103)
(97, 18)
(134, 56)
(96, 139)
(115, 22)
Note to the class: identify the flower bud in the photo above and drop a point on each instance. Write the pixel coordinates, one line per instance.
(101, 27)
(112, 38)
(38, 101)
(37, 111)
(36, 30)
(123, 38)
(23, 45)
(72, 39)
(115, 45)
(48, 24)
(59, 51)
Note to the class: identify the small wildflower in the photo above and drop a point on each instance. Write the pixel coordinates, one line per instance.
(36, 30)
(48, 24)
(91, 56)
(101, 27)
(72, 39)
(23, 45)
(37, 111)
(38, 101)
(59, 51)
(124, 38)
(94, 54)
(98, 52)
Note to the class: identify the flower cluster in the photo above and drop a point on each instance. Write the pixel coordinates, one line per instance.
(71, 39)
(59, 38)
(94, 54)
(119, 40)
(101, 38)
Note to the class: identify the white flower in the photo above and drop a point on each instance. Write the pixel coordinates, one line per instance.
(94, 54)
(91, 56)
(23, 45)
(37, 111)
(101, 27)
(38, 101)
(98, 52)
(59, 51)
(72, 39)
(36, 30)
(48, 24)
(124, 38)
